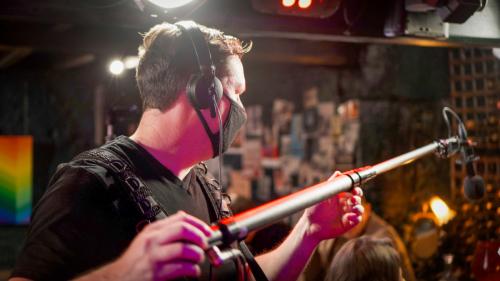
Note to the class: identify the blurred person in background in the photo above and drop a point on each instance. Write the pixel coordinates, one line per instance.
(366, 258)
(372, 225)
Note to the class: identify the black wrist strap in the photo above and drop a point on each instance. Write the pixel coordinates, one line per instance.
(257, 271)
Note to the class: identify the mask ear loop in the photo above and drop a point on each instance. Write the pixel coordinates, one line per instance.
(221, 139)
(219, 202)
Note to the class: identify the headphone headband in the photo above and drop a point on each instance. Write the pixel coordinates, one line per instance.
(204, 89)
(200, 46)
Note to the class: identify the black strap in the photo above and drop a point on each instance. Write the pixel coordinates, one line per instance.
(222, 202)
(136, 190)
(257, 271)
(222, 207)
(219, 199)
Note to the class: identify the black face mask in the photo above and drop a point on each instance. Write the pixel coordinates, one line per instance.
(235, 120)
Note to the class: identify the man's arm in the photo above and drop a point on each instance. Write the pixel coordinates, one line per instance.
(288, 260)
(326, 220)
(164, 250)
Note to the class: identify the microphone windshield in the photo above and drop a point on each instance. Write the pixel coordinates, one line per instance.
(474, 188)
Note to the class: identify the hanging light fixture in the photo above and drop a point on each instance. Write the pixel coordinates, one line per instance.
(170, 8)
(170, 4)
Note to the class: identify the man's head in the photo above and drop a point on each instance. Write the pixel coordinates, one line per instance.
(167, 61)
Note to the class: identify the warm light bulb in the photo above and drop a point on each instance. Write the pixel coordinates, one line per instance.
(288, 3)
(441, 210)
(116, 67)
(304, 4)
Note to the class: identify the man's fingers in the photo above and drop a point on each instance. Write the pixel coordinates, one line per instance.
(175, 270)
(351, 219)
(336, 174)
(182, 216)
(182, 231)
(348, 199)
(195, 222)
(358, 209)
(349, 203)
(357, 191)
(179, 227)
(179, 251)
(176, 232)
(355, 200)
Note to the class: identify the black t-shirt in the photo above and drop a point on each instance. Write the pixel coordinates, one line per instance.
(83, 222)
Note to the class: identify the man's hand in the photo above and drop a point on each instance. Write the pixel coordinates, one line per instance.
(164, 250)
(328, 219)
(334, 216)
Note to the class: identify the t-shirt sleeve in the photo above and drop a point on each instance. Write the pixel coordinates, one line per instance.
(72, 228)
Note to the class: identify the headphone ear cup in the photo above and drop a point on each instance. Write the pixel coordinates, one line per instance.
(198, 99)
(200, 92)
(218, 89)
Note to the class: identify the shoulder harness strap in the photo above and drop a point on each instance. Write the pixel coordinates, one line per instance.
(136, 190)
(220, 200)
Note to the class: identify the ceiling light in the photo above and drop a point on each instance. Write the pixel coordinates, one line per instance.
(131, 62)
(170, 4)
(116, 67)
(304, 4)
(287, 3)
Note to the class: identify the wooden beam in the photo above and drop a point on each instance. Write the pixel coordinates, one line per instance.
(303, 52)
(77, 39)
(234, 17)
(75, 62)
(92, 13)
(13, 56)
(82, 41)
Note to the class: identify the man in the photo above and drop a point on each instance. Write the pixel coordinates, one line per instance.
(83, 229)
(371, 225)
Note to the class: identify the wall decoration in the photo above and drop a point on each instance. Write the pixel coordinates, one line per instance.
(16, 162)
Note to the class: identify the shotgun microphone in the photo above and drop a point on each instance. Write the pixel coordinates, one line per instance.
(473, 184)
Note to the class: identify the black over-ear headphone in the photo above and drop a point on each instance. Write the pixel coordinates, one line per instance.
(203, 87)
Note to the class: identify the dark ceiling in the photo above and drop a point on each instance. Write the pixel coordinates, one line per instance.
(63, 34)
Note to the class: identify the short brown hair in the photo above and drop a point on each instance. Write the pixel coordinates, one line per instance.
(365, 258)
(166, 61)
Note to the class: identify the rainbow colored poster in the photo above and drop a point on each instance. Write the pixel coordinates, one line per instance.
(16, 162)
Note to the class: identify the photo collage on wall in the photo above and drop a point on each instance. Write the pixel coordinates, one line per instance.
(298, 149)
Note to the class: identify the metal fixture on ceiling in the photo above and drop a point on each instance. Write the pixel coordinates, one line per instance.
(169, 9)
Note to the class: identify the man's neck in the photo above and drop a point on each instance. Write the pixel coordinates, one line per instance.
(165, 145)
(169, 160)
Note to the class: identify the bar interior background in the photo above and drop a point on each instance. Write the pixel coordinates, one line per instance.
(334, 86)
